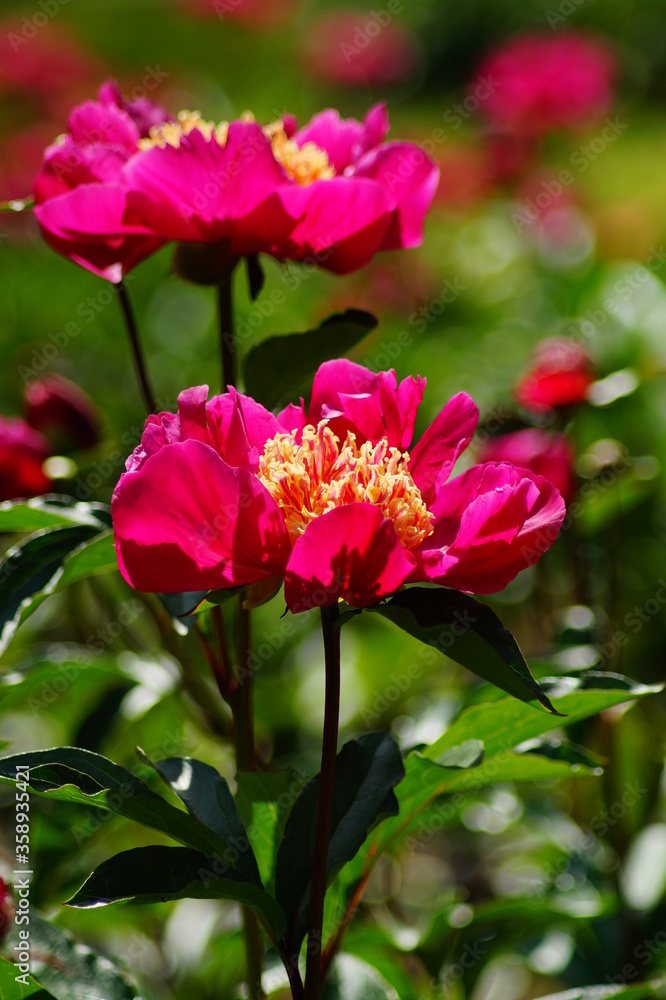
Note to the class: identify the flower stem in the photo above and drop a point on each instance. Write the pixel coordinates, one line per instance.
(228, 352)
(137, 353)
(331, 633)
(241, 702)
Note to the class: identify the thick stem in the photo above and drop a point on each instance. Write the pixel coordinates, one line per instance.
(137, 354)
(331, 634)
(228, 352)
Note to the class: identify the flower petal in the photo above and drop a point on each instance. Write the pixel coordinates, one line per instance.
(433, 457)
(240, 427)
(188, 521)
(345, 139)
(491, 522)
(350, 552)
(411, 179)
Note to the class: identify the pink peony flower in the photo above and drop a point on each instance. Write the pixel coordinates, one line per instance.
(23, 452)
(543, 82)
(333, 191)
(355, 48)
(63, 411)
(225, 494)
(560, 375)
(541, 452)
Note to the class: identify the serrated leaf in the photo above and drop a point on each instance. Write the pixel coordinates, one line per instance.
(158, 874)
(69, 774)
(33, 569)
(206, 795)
(468, 632)
(264, 800)
(280, 369)
(367, 771)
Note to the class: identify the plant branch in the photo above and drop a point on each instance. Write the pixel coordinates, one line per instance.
(147, 393)
(331, 634)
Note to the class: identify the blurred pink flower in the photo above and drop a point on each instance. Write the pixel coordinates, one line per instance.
(541, 452)
(23, 452)
(38, 67)
(361, 48)
(332, 192)
(539, 83)
(560, 374)
(62, 411)
(226, 494)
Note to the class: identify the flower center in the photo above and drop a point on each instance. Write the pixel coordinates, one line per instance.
(309, 478)
(304, 164)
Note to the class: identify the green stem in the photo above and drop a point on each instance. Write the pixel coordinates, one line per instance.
(137, 354)
(331, 633)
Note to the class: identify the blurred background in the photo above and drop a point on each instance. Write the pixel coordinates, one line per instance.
(548, 121)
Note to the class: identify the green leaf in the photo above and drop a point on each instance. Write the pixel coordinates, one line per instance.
(72, 775)
(367, 770)
(10, 989)
(357, 980)
(504, 727)
(505, 723)
(280, 369)
(264, 800)
(206, 795)
(468, 754)
(469, 633)
(158, 874)
(17, 205)
(51, 511)
(33, 570)
(70, 971)
(638, 991)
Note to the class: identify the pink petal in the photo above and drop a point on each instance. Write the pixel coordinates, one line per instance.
(92, 123)
(433, 457)
(399, 406)
(350, 552)
(188, 521)
(345, 140)
(240, 427)
(491, 522)
(411, 179)
(344, 222)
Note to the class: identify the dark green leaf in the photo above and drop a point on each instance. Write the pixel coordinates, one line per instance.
(367, 770)
(280, 369)
(72, 775)
(35, 568)
(206, 795)
(71, 971)
(264, 800)
(469, 633)
(51, 511)
(180, 606)
(255, 275)
(158, 874)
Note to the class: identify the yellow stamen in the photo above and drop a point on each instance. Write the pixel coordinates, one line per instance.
(312, 477)
(304, 164)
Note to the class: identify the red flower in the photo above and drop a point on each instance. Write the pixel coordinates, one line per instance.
(63, 411)
(560, 375)
(538, 83)
(332, 190)
(23, 452)
(225, 494)
(543, 453)
(354, 48)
